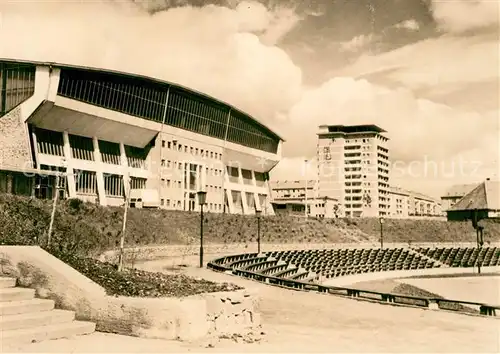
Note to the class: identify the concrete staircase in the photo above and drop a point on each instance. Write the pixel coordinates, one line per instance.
(25, 319)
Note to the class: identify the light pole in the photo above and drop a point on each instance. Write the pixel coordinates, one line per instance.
(479, 237)
(258, 213)
(202, 200)
(381, 221)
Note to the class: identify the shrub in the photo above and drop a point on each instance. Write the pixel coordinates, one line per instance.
(138, 283)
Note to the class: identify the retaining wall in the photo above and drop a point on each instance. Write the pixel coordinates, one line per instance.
(189, 318)
(211, 251)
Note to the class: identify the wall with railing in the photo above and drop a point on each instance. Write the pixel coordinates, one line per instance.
(274, 269)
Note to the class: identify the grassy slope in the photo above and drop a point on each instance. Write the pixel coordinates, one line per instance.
(90, 226)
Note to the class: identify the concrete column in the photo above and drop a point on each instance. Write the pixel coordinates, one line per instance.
(255, 194)
(186, 182)
(35, 147)
(99, 172)
(10, 184)
(124, 163)
(70, 166)
(243, 193)
(267, 207)
(229, 195)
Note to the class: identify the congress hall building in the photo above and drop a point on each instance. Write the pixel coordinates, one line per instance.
(100, 135)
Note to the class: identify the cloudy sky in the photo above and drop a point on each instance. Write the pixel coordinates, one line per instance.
(425, 70)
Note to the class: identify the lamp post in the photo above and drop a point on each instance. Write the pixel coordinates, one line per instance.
(258, 213)
(202, 200)
(381, 221)
(479, 237)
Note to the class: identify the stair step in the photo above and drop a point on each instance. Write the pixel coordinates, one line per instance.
(25, 306)
(54, 331)
(34, 319)
(16, 294)
(7, 282)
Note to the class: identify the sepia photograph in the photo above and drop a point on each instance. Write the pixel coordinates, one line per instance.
(249, 176)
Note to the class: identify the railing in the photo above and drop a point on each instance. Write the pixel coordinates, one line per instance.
(366, 295)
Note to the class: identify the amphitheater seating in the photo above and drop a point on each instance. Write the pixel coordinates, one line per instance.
(339, 262)
(464, 256)
(311, 265)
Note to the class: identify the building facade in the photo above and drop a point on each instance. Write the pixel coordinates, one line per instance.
(353, 168)
(406, 204)
(289, 197)
(114, 134)
(454, 194)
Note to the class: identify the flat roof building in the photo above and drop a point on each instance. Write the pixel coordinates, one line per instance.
(111, 132)
(353, 168)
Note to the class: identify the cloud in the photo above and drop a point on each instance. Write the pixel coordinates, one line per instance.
(213, 49)
(433, 62)
(357, 43)
(459, 16)
(422, 133)
(411, 25)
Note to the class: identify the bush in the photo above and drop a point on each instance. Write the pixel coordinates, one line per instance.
(138, 283)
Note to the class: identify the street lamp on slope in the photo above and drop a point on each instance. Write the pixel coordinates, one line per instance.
(258, 213)
(381, 221)
(202, 200)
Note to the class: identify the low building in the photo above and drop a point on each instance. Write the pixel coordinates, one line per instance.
(406, 204)
(455, 193)
(484, 201)
(289, 197)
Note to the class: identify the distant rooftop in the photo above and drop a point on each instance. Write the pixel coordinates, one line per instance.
(459, 190)
(284, 184)
(418, 195)
(486, 196)
(349, 129)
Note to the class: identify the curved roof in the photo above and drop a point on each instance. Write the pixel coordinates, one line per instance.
(148, 78)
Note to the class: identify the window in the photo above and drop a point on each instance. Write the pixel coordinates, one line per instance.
(163, 143)
(162, 163)
(86, 182)
(168, 202)
(162, 202)
(144, 98)
(169, 145)
(17, 84)
(113, 185)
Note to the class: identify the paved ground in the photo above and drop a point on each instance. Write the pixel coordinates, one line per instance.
(484, 289)
(308, 322)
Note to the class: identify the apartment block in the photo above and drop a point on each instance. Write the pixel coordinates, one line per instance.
(353, 168)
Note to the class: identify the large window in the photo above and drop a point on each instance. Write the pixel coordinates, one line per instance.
(86, 182)
(113, 185)
(162, 102)
(49, 142)
(17, 84)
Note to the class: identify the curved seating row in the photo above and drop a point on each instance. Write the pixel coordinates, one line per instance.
(311, 265)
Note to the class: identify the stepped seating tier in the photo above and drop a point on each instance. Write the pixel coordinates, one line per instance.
(311, 265)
